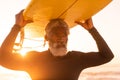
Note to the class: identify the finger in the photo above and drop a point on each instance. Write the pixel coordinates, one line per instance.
(78, 22)
(22, 11)
(29, 21)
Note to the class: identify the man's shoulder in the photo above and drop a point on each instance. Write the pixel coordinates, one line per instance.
(76, 53)
(73, 51)
(35, 53)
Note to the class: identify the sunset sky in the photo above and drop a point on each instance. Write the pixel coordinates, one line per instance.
(107, 22)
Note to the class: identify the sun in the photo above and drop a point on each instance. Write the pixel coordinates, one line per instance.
(32, 44)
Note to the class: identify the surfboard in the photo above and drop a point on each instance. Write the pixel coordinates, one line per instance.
(42, 11)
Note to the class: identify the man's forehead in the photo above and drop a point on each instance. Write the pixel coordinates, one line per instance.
(59, 30)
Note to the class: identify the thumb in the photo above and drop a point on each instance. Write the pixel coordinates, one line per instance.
(80, 23)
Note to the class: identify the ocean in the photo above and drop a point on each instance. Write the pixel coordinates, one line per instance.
(104, 72)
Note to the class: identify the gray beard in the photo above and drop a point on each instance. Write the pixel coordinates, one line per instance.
(57, 50)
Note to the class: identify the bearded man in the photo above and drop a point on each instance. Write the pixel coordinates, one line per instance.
(56, 63)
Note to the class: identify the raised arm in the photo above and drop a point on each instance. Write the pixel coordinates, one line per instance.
(7, 58)
(7, 45)
(104, 52)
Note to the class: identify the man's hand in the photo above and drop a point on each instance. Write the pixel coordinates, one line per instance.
(88, 24)
(20, 19)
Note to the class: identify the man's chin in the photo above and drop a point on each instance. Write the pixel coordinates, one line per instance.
(58, 51)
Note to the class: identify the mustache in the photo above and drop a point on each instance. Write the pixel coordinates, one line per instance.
(60, 45)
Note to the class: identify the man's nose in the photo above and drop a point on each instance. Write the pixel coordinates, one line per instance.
(61, 39)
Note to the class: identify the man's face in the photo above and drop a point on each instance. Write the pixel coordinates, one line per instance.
(57, 39)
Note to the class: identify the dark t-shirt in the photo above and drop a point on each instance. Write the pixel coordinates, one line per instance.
(69, 67)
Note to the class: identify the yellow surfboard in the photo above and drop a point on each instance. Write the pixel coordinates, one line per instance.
(41, 11)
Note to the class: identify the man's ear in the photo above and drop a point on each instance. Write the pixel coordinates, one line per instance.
(46, 38)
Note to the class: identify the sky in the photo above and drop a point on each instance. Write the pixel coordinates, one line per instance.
(107, 22)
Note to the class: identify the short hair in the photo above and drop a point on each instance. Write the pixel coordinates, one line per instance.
(54, 23)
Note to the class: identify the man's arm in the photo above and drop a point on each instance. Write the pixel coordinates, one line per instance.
(103, 48)
(104, 53)
(8, 43)
(7, 58)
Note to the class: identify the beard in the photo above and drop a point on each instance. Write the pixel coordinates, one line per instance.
(58, 49)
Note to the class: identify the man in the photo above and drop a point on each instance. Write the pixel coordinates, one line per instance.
(56, 63)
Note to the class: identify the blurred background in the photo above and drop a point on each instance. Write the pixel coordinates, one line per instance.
(107, 22)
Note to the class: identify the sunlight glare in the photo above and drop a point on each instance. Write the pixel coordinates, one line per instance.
(36, 44)
(23, 52)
